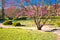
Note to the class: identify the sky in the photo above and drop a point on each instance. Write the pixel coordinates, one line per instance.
(9, 3)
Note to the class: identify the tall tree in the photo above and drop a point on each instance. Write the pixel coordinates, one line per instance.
(3, 14)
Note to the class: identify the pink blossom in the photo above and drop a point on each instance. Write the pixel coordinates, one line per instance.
(18, 14)
(30, 13)
(43, 11)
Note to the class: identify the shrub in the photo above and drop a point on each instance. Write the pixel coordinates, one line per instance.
(57, 24)
(16, 24)
(21, 18)
(7, 22)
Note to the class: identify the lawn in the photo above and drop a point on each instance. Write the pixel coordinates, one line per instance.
(19, 34)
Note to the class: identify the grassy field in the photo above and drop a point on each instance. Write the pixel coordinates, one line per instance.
(19, 34)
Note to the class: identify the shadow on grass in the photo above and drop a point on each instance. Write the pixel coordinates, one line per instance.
(53, 30)
(2, 20)
(20, 25)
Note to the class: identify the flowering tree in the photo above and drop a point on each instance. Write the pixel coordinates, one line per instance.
(37, 11)
(11, 12)
(8, 9)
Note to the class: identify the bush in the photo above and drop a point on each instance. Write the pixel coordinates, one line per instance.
(21, 18)
(57, 24)
(7, 22)
(16, 24)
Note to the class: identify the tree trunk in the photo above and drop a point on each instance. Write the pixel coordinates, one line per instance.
(3, 13)
(39, 28)
(3, 9)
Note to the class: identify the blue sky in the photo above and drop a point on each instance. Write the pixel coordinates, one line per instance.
(9, 3)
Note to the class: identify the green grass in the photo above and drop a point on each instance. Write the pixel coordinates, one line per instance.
(19, 34)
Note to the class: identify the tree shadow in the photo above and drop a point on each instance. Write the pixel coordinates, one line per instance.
(53, 30)
(1, 20)
(20, 25)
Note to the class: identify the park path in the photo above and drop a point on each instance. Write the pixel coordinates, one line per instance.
(58, 37)
(58, 34)
(6, 26)
(34, 28)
